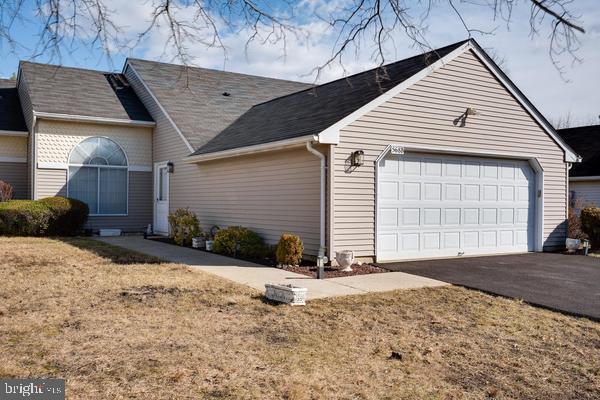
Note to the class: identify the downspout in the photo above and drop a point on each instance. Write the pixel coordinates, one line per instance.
(321, 259)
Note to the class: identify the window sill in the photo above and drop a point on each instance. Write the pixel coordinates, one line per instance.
(108, 215)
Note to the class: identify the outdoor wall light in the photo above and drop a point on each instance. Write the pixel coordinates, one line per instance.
(358, 158)
(170, 167)
(471, 111)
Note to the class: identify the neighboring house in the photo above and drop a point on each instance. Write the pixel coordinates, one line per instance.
(436, 155)
(584, 178)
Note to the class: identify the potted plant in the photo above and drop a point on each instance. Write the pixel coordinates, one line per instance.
(210, 239)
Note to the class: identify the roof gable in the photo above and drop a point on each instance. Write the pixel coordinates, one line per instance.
(585, 140)
(325, 115)
(81, 92)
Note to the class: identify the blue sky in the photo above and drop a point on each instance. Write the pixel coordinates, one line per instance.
(526, 59)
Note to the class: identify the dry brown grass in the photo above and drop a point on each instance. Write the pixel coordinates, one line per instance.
(136, 328)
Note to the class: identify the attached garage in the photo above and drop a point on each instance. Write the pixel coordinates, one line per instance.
(440, 205)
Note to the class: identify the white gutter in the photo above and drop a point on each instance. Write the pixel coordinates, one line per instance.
(87, 118)
(584, 178)
(321, 258)
(258, 148)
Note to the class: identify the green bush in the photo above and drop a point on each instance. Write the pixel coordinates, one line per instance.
(184, 226)
(590, 220)
(289, 250)
(67, 215)
(24, 218)
(238, 241)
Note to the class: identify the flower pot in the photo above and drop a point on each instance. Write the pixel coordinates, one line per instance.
(198, 242)
(289, 294)
(345, 259)
(209, 245)
(572, 245)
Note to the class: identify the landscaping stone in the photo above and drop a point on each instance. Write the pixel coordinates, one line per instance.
(289, 294)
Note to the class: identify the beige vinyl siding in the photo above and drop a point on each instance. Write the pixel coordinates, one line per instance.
(51, 182)
(56, 139)
(425, 115)
(588, 192)
(271, 193)
(15, 173)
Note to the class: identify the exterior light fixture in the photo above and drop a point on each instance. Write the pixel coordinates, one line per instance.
(358, 158)
(170, 167)
(471, 111)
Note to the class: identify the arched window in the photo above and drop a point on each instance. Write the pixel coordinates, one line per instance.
(98, 176)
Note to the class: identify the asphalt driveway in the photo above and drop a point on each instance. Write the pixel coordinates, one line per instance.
(560, 282)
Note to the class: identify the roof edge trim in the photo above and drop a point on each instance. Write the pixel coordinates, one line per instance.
(14, 133)
(253, 149)
(160, 106)
(91, 119)
(331, 135)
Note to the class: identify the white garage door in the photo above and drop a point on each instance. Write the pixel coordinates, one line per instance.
(432, 205)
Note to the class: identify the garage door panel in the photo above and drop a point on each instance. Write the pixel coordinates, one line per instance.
(432, 205)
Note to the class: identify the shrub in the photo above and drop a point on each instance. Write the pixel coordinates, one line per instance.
(289, 250)
(24, 218)
(6, 191)
(184, 226)
(238, 241)
(590, 220)
(67, 215)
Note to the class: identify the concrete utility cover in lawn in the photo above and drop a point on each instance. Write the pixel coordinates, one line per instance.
(557, 281)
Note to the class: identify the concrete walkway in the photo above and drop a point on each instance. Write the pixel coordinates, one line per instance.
(255, 275)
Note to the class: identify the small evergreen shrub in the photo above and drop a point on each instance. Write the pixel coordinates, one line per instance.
(24, 218)
(67, 215)
(6, 191)
(238, 241)
(184, 226)
(590, 221)
(289, 250)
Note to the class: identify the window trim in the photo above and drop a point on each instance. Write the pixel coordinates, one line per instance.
(98, 167)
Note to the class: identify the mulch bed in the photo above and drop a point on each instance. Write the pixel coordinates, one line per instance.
(306, 267)
(331, 272)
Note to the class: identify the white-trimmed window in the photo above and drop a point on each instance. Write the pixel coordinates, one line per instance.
(98, 176)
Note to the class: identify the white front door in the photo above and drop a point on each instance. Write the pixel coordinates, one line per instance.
(432, 205)
(161, 198)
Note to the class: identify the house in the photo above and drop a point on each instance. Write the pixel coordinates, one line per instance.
(437, 155)
(584, 178)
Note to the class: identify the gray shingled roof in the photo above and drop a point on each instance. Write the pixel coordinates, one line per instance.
(585, 141)
(11, 115)
(193, 97)
(75, 91)
(310, 111)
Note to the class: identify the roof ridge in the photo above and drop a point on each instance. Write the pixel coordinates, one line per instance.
(364, 72)
(213, 70)
(580, 127)
(58, 66)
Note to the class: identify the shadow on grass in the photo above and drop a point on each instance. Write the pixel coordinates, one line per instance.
(115, 254)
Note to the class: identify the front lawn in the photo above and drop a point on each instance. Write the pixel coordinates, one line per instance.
(121, 325)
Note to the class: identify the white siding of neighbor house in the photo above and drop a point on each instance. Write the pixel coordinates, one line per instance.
(56, 139)
(423, 115)
(271, 193)
(588, 192)
(13, 147)
(13, 164)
